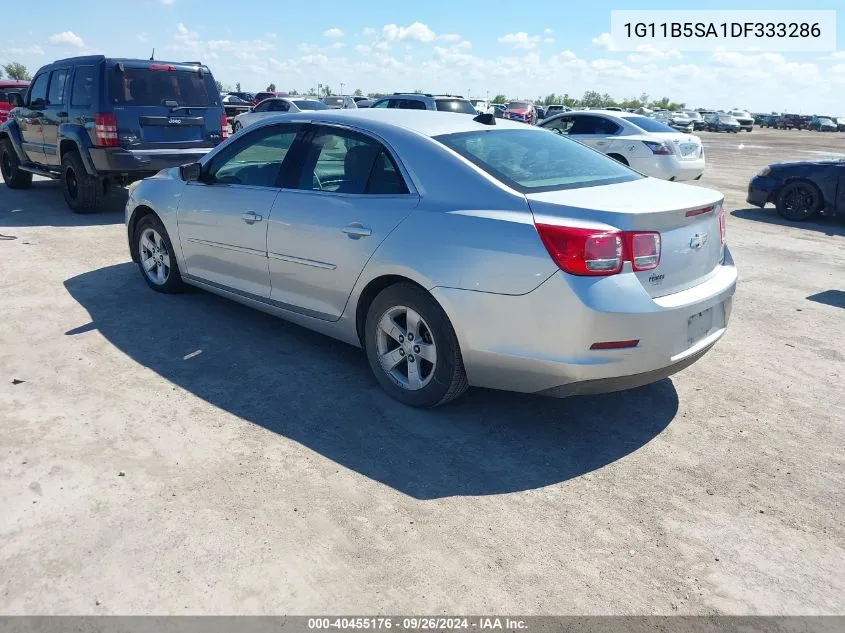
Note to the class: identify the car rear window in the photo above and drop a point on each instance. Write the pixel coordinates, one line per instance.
(647, 124)
(532, 161)
(333, 101)
(149, 87)
(4, 93)
(307, 104)
(454, 105)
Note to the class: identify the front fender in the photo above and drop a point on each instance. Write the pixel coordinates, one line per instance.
(78, 135)
(10, 130)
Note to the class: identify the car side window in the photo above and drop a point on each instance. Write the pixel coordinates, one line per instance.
(278, 106)
(561, 125)
(257, 160)
(383, 104)
(38, 92)
(341, 161)
(588, 125)
(58, 79)
(411, 104)
(261, 107)
(82, 90)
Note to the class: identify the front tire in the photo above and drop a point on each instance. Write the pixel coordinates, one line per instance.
(13, 176)
(799, 201)
(156, 256)
(412, 347)
(83, 193)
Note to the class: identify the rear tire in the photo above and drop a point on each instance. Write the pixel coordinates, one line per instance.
(83, 193)
(403, 369)
(13, 176)
(799, 201)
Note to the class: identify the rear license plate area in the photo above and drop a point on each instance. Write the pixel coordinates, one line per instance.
(689, 149)
(699, 326)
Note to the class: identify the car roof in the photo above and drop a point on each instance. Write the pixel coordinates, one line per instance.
(13, 83)
(425, 122)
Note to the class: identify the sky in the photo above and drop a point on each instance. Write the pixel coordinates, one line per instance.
(472, 49)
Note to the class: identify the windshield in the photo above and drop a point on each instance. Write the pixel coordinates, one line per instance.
(648, 125)
(307, 104)
(333, 101)
(148, 87)
(537, 160)
(744, 115)
(726, 117)
(454, 105)
(693, 115)
(519, 105)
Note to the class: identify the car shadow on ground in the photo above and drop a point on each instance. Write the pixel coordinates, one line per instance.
(834, 298)
(832, 226)
(44, 205)
(321, 393)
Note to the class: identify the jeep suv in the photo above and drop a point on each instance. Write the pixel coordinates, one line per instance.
(95, 121)
(418, 101)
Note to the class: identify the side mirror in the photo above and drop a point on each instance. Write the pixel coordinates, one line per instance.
(191, 172)
(15, 99)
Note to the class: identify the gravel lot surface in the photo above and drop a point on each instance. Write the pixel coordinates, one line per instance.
(268, 473)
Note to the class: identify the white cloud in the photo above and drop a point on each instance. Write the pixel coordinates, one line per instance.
(450, 37)
(520, 40)
(337, 45)
(142, 37)
(647, 53)
(417, 31)
(547, 31)
(548, 40)
(606, 41)
(68, 38)
(168, 1)
(29, 50)
(333, 32)
(368, 31)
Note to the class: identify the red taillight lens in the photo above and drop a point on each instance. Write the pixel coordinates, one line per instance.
(225, 128)
(590, 252)
(583, 251)
(658, 148)
(645, 250)
(722, 225)
(161, 67)
(105, 127)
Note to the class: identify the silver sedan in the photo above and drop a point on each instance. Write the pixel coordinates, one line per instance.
(274, 106)
(455, 251)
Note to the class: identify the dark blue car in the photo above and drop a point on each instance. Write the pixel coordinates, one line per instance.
(800, 190)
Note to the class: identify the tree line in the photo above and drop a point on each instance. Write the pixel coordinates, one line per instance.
(590, 99)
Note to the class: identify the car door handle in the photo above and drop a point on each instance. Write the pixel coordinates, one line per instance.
(251, 217)
(356, 230)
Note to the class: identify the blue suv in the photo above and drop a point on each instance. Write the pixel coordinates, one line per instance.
(94, 121)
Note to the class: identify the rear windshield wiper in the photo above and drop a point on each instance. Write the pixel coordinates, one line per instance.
(174, 106)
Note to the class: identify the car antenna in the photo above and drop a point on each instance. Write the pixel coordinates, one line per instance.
(153, 55)
(485, 119)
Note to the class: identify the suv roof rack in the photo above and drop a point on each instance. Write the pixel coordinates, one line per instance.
(419, 94)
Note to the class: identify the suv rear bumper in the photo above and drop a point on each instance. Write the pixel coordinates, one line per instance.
(116, 159)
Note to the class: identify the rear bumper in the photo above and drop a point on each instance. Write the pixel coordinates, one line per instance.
(760, 191)
(540, 342)
(119, 160)
(670, 167)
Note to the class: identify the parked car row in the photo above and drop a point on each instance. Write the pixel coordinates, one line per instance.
(801, 122)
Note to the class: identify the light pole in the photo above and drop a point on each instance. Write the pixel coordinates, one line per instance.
(341, 88)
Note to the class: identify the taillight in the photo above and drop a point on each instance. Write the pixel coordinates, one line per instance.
(583, 251)
(167, 67)
(225, 128)
(722, 224)
(590, 252)
(658, 148)
(105, 127)
(645, 250)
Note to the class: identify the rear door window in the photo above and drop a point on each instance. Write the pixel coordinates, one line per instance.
(56, 94)
(593, 125)
(153, 87)
(82, 90)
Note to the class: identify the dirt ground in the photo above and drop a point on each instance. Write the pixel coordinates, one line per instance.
(268, 473)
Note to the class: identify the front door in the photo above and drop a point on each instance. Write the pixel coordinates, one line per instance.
(55, 113)
(223, 218)
(29, 118)
(323, 231)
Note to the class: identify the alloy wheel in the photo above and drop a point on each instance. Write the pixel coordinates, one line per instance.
(406, 348)
(154, 256)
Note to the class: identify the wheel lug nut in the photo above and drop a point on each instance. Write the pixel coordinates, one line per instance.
(410, 336)
(401, 352)
(401, 339)
(411, 358)
(416, 349)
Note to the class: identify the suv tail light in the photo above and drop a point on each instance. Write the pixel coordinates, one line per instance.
(590, 252)
(105, 127)
(225, 128)
(658, 148)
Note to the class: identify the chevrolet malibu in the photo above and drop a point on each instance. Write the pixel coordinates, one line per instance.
(454, 250)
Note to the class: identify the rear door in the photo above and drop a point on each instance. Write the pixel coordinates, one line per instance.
(164, 106)
(323, 230)
(55, 113)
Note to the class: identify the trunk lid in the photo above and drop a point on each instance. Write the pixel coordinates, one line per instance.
(684, 146)
(164, 106)
(691, 248)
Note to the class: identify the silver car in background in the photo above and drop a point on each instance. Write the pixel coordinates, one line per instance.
(456, 252)
(276, 105)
